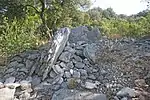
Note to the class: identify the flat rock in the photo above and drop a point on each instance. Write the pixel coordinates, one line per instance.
(79, 65)
(67, 74)
(20, 65)
(12, 85)
(79, 53)
(77, 58)
(78, 34)
(52, 74)
(57, 80)
(61, 80)
(42, 86)
(10, 70)
(71, 71)
(140, 83)
(56, 87)
(126, 91)
(33, 56)
(64, 85)
(67, 94)
(69, 49)
(24, 96)
(1, 85)
(93, 35)
(36, 80)
(90, 85)
(70, 65)
(125, 98)
(63, 65)
(84, 74)
(90, 52)
(25, 85)
(13, 64)
(65, 57)
(86, 96)
(84, 34)
(76, 74)
(92, 77)
(103, 72)
(10, 80)
(7, 94)
(16, 58)
(29, 79)
(81, 43)
(34, 67)
(58, 70)
(25, 70)
(29, 64)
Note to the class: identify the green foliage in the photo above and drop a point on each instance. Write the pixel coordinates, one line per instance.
(17, 36)
(25, 22)
(130, 26)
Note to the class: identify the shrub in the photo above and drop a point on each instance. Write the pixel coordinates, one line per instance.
(17, 36)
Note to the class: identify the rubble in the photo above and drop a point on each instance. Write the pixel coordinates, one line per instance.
(95, 67)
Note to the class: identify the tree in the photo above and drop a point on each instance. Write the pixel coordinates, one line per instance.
(52, 10)
(123, 16)
(95, 13)
(109, 13)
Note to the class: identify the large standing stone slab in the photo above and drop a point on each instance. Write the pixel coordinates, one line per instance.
(78, 34)
(58, 45)
(84, 34)
(93, 35)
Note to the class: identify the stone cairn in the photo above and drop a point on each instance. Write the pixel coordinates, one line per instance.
(63, 69)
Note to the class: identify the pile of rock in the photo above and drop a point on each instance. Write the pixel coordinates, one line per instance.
(11, 90)
(77, 64)
(70, 64)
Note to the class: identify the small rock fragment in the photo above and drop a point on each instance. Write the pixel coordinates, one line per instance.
(126, 91)
(10, 80)
(90, 85)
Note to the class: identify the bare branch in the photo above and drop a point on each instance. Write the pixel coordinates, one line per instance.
(33, 8)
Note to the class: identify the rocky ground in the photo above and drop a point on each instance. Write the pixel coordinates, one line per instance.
(88, 68)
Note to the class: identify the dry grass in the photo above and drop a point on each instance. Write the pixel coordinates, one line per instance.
(3, 60)
(114, 36)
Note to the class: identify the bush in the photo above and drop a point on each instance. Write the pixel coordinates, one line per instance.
(17, 36)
